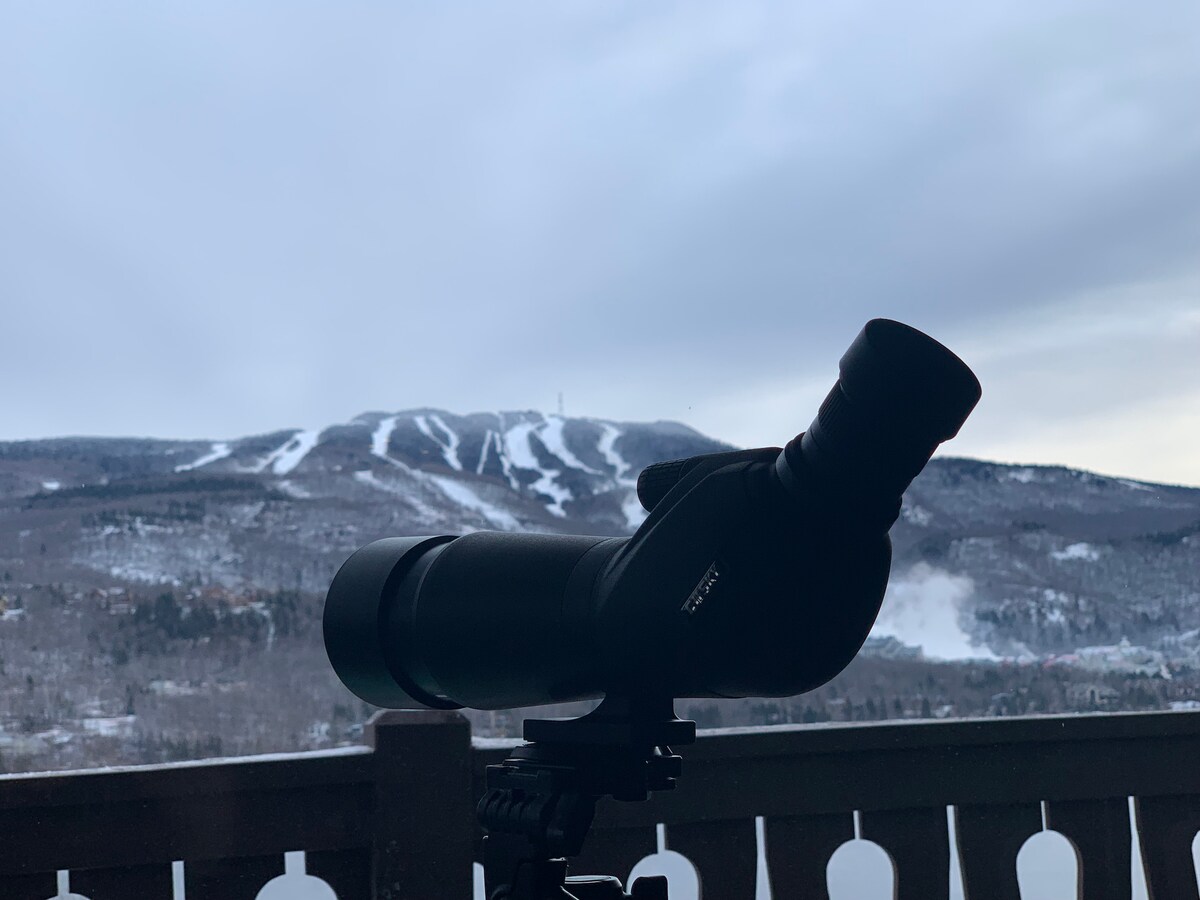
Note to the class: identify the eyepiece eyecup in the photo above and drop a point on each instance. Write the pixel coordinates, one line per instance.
(903, 375)
(900, 394)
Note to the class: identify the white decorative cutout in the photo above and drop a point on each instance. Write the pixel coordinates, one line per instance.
(1196, 859)
(762, 875)
(64, 887)
(1137, 872)
(1048, 867)
(860, 870)
(957, 891)
(477, 879)
(681, 875)
(295, 883)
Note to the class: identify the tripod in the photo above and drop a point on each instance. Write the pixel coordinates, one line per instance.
(540, 801)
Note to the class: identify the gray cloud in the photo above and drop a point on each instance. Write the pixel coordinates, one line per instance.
(219, 220)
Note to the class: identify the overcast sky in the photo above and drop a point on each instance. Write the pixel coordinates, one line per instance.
(225, 218)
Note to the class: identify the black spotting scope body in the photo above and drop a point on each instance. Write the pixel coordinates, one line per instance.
(756, 573)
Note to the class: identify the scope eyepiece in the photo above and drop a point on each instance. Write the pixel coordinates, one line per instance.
(900, 394)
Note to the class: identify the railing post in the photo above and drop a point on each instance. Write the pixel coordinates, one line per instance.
(424, 813)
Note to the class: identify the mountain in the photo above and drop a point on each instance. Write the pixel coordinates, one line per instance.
(989, 558)
(285, 509)
(1055, 558)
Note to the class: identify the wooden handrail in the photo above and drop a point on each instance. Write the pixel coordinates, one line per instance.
(396, 819)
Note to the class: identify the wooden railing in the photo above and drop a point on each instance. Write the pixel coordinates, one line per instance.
(396, 819)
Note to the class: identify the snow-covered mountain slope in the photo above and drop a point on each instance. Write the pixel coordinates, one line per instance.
(284, 508)
(1007, 559)
(1053, 558)
(558, 464)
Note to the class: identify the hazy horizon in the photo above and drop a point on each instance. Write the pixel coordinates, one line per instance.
(224, 220)
(946, 450)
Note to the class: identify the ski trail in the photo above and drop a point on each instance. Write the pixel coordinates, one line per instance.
(551, 434)
(219, 450)
(287, 457)
(381, 437)
(483, 451)
(519, 450)
(631, 507)
(454, 491)
(449, 446)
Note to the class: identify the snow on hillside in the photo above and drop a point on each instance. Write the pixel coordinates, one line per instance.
(287, 457)
(520, 453)
(219, 450)
(468, 499)
(382, 436)
(634, 514)
(448, 440)
(988, 558)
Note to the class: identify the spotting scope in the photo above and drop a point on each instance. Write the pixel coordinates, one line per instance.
(757, 573)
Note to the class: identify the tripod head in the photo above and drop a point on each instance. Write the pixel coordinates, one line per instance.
(540, 801)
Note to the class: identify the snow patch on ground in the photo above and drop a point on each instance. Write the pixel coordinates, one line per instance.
(169, 688)
(916, 515)
(370, 479)
(51, 485)
(219, 450)
(293, 490)
(635, 515)
(464, 496)
(456, 492)
(922, 607)
(1085, 552)
(1136, 485)
(1053, 603)
(133, 572)
(109, 726)
(1024, 476)
(448, 446)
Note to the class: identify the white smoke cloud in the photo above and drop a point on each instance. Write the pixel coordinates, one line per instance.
(922, 608)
